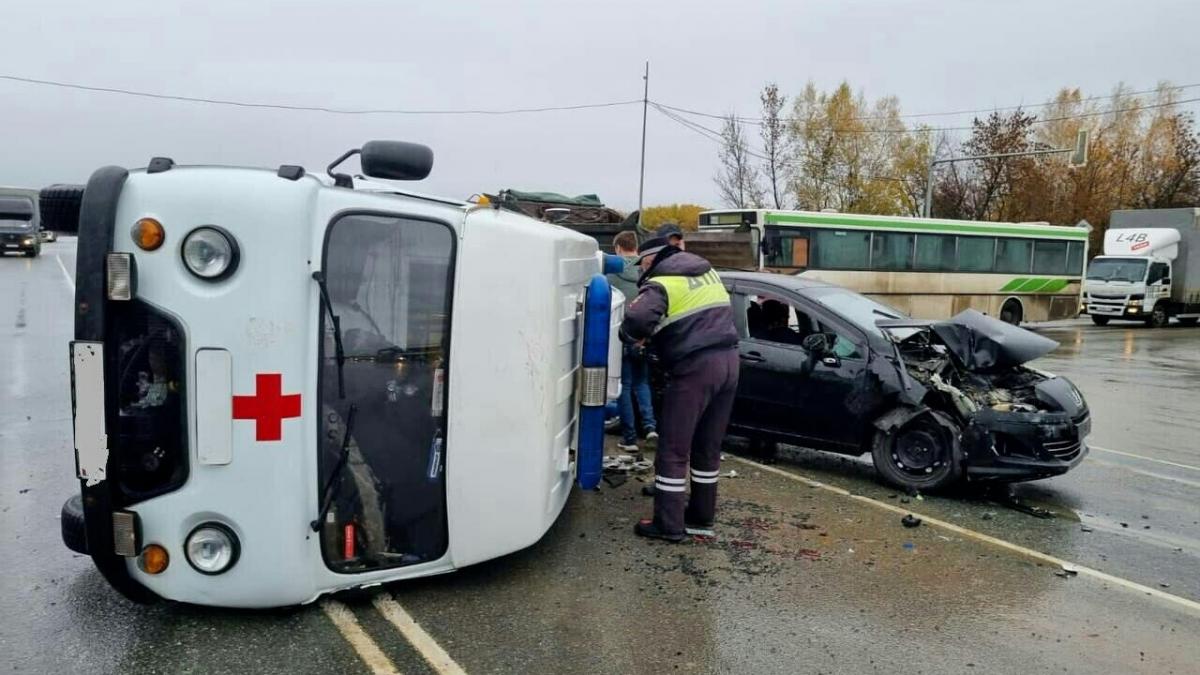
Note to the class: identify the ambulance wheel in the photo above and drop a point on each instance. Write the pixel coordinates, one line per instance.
(74, 529)
(1158, 317)
(1100, 320)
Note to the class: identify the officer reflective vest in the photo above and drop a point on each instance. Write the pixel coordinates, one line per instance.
(689, 295)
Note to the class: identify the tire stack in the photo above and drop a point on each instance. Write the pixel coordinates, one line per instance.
(59, 206)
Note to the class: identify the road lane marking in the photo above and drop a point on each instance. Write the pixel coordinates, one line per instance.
(61, 266)
(423, 642)
(1144, 458)
(1083, 570)
(1151, 474)
(363, 645)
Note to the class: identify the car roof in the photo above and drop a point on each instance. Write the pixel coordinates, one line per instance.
(786, 281)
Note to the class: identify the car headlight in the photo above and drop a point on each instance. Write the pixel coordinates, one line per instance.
(210, 253)
(211, 548)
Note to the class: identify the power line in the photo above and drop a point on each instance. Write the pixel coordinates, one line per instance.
(926, 130)
(322, 109)
(760, 120)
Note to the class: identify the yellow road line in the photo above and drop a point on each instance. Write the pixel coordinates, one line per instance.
(1185, 603)
(1144, 458)
(423, 642)
(363, 645)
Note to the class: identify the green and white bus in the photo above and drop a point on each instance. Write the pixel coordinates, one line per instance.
(927, 268)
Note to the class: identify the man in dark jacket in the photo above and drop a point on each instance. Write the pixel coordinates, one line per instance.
(683, 309)
(635, 375)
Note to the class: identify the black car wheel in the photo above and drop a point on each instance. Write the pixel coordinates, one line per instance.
(74, 530)
(1100, 320)
(921, 455)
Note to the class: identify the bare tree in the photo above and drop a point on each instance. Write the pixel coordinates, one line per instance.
(774, 141)
(737, 177)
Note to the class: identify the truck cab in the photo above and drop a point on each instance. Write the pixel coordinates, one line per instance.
(20, 226)
(1143, 274)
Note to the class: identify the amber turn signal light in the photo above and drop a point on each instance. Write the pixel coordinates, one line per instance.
(154, 559)
(148, 234)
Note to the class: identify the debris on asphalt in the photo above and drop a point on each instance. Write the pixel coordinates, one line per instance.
(1124, 524)
(1164, 585)
(1067, 571)
(989, 515)
(904, 500)
(23, 491)
(730, 474)
(1085, 528)
(910, 521)
(909, 546)
(615, 479)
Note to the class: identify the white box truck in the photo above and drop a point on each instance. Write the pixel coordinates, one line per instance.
(1150, 270)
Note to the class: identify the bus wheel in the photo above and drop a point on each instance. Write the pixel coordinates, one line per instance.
(1011, 312)
(1158, 317)
(1100, 320)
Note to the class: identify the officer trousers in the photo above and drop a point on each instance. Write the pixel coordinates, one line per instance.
(696, 405)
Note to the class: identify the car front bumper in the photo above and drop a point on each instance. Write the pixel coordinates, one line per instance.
(1017, 446)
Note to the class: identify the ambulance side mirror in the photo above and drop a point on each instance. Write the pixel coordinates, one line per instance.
(396, 160)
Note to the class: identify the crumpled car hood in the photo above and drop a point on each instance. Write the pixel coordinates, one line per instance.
(981, 343)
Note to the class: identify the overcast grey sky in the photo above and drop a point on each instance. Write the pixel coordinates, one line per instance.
(712, 56)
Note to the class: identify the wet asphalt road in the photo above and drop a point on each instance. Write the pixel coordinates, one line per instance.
(800, 578)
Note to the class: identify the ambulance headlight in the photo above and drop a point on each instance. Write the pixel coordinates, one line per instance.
(210, 253)
(211, 548)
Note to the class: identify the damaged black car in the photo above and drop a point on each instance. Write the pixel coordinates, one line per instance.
(935, 403)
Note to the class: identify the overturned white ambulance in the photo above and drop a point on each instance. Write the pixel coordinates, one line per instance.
(286, 385)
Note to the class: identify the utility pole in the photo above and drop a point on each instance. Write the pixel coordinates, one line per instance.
(642, 176)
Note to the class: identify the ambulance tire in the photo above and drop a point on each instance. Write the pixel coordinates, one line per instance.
(74, 528)
(59, 207)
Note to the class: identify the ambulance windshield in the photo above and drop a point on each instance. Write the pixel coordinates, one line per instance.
(388, 280)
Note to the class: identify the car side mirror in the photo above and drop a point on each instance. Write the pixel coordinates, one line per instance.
(817, 344)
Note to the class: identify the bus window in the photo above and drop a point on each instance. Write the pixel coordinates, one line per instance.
(787, 248)
(935, 253)
(1050, 257)
(1075, 257)
(841, 250)
(975, 254)
(892, 251)
(1013, 255)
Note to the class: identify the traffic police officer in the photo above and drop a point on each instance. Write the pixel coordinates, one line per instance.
(683, 309)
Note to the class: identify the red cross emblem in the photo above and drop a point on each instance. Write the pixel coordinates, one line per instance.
(268, 407)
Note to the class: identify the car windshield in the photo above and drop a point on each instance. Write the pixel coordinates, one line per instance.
(857, 309)
(1117, 269)
(16, 212)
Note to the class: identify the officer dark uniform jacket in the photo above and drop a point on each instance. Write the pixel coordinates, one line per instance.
(684, 311)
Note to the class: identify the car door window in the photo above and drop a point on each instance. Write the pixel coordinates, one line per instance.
(782, 321)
